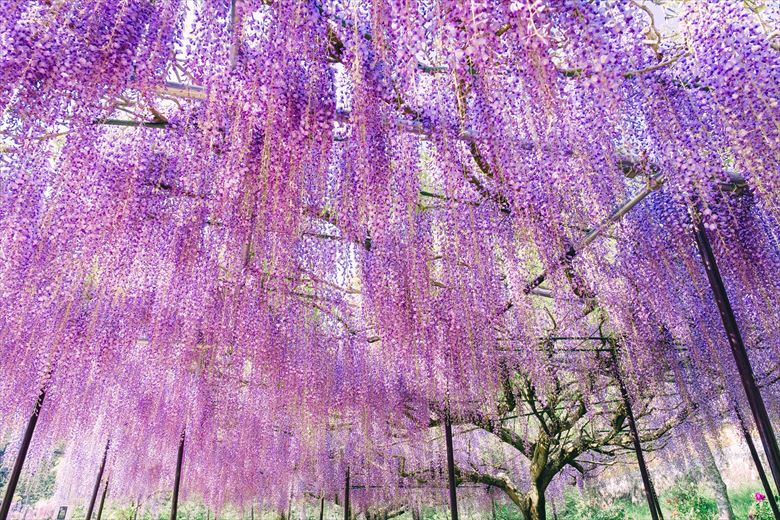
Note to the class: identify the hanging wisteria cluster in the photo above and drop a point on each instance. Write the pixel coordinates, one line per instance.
(300, 230)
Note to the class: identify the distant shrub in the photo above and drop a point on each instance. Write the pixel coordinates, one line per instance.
(577, 508)
(507, 512)
(687, 502)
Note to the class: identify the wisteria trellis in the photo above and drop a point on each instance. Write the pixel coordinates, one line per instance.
(283, 225)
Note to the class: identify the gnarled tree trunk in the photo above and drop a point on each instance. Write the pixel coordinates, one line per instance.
(539, 479)
(536, 504)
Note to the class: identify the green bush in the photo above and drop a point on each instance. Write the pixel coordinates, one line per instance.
(686, 500)
(507, 512)
(760, 510)
(576, 508)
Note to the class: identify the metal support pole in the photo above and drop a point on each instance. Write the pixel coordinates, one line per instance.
(451, 468)
(102, 501)
(770, 495)
(13, 480)
(757, 407)
(657, 501)
(347, 511)
(96, 488)
(177, 480)
(650, 495)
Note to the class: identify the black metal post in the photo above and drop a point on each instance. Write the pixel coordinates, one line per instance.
(451, 468)
(13, 480)
(96, 488)
(757, 407)
(102, 501)
(650, 495)
(177, 480)
(657, 501)
(770, 495)
(347, 510)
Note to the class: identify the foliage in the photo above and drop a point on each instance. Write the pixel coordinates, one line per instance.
(4, 470)
(578, 508)
(42, 484)
(687, 501)
(760, 509)
(683, 496)
(742, 499)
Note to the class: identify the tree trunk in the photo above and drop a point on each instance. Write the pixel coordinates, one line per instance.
(539, 480)
(532, 505)
(715, 482)
(536, 504)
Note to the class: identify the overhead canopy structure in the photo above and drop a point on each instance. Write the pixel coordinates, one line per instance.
(300, 230)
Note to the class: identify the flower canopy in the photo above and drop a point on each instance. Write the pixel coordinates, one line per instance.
(296, 229)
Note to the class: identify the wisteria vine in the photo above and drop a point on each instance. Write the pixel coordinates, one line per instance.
(299, 230)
